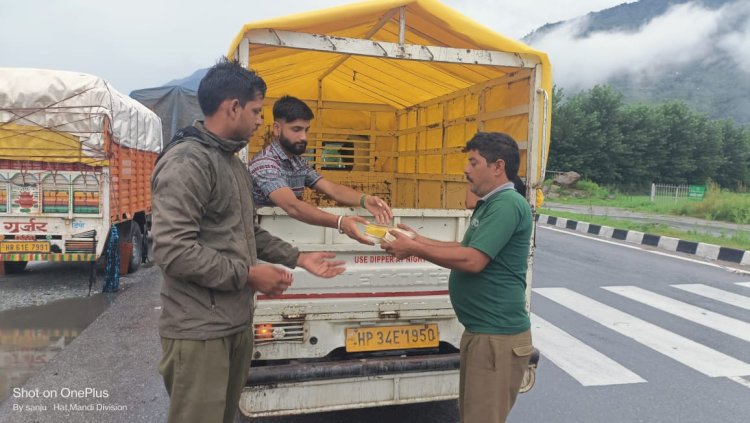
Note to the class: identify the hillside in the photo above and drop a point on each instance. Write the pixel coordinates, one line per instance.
(708, 75)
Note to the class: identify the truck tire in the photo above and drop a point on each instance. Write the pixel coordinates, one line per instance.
(147, 241)
(12, 267)
(136, 237)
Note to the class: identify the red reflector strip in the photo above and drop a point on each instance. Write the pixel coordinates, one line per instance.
(351, 295)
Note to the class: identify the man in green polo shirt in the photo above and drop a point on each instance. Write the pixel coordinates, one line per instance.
(488, 280)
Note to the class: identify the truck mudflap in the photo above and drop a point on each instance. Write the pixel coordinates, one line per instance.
(304, 372)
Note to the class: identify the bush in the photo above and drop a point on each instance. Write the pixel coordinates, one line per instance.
(721, 205)
(593, 189)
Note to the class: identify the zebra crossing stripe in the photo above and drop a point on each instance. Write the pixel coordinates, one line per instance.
(585, 364)
(690, 353)
(747, 284)
(717, 294)
(740, 380)
(701, 316)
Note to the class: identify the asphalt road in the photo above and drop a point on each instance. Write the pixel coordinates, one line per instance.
(621, 338)
(663, 368)
(44, 282)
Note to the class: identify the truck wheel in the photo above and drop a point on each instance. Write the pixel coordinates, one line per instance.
(146, 254)
(12, 267)
(136, 237)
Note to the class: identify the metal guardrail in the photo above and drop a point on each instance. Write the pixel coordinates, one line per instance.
(676, 192)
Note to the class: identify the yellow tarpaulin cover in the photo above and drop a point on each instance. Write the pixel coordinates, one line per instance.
(59, 116)
(394, 82)
(32, 143)
(400, 83)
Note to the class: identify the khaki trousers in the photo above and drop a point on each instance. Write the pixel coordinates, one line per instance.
(204, 379)
(492, 368)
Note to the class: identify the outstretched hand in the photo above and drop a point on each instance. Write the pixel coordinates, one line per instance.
(319, 264)
(379, 209)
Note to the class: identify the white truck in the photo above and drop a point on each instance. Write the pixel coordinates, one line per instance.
(397, 89)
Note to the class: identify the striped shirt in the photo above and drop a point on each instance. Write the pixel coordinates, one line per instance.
(272, 169)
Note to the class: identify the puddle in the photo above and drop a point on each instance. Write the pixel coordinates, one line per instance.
(31, 336)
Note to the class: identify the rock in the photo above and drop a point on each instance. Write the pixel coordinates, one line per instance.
(567, 179)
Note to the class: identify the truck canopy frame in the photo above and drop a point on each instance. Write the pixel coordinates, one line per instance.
(397, 88)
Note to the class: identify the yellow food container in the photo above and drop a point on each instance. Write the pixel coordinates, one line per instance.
(376, 231)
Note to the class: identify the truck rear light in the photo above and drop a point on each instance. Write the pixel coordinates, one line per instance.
(280, 331)
(263, 331)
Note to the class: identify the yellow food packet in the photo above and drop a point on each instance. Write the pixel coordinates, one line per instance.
(376, 231)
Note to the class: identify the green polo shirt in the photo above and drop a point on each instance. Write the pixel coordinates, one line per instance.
(493, 301)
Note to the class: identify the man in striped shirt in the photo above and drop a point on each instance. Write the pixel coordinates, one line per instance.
(280, 176)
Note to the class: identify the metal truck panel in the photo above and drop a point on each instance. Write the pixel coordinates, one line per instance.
(349, 393)
(63, 208)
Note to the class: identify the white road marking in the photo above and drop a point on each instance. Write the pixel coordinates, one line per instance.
(583, 363)
(741, 381)
(717, 294)
(701, 316)
(690, 353)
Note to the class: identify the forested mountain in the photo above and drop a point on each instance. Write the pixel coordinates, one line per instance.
(710, 72)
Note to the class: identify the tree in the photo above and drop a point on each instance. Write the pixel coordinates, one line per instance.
(596, 135)
(734, 172)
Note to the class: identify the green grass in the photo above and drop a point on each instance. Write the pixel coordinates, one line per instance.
(740, 241)
(718, 205)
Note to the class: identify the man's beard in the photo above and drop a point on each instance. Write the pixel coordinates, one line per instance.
(296, 149)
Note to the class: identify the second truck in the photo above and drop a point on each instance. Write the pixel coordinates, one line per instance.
(76, 158)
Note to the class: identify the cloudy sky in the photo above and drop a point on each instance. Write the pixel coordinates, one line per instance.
(686, 33)
(144, 43)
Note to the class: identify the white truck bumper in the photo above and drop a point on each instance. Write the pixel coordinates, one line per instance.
(312, 388)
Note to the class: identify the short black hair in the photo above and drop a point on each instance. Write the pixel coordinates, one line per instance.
(227, 79)
(494, 146)
(519, 185)
(289, 109)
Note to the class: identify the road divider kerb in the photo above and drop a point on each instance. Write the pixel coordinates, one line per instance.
(700, 249)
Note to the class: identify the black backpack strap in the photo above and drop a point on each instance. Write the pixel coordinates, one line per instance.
(180, 136)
